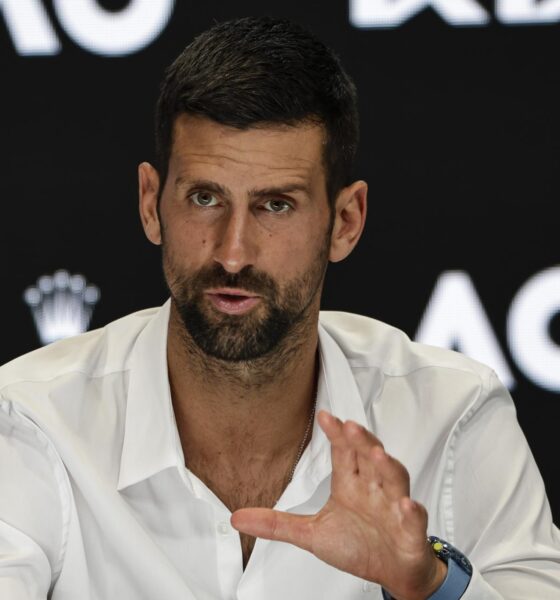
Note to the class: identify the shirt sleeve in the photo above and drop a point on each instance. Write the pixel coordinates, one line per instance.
(31, 509)
(501, 518)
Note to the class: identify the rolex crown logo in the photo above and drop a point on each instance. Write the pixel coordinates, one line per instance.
(61, 305)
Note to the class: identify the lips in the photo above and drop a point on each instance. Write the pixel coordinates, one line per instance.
(232, 301)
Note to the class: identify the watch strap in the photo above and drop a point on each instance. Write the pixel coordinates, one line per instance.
(454, 584)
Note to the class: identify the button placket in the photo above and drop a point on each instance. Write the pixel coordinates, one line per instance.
(228, 554)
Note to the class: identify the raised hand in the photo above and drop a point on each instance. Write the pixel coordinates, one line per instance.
(369, 527)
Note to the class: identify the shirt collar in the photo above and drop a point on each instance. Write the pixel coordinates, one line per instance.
(150, 431)
(151, 441)
(341, 396)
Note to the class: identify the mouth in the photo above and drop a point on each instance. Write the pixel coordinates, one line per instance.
(232, 301)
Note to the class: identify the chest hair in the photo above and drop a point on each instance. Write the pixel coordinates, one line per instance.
(245, 488)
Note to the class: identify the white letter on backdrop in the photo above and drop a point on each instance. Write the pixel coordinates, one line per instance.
(392, 13)
(528, 328)
(113, 33)
(30, 28)
(456, 318)
(528, 11)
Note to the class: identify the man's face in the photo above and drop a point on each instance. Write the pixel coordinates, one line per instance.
(245, 227)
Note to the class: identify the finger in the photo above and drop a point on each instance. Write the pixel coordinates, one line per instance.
(383, 473)
(364, 443)
(360, 438)
(379, 469)
(369, 465)
(343, 456)
(332, 426)
(395, 479)
(274, 525)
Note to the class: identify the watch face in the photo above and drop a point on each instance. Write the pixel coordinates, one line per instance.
(445, 551)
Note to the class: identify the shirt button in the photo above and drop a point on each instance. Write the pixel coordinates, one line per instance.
(367, 586)
(223, 528)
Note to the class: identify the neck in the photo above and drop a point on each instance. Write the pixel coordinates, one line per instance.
(230, 412)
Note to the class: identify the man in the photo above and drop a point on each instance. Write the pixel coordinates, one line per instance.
(236, 443)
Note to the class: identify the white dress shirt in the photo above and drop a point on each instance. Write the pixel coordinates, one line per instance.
(96, 503)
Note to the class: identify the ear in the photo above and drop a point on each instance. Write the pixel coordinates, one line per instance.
(349, 219)
(148, 188)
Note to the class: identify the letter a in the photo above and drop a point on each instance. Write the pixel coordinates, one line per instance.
(455, 318)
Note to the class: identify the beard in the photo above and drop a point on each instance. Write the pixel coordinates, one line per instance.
(246, 337)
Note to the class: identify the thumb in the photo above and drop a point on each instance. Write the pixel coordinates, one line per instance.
(274, 525)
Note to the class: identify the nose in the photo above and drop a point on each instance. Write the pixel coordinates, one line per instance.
(236, 245)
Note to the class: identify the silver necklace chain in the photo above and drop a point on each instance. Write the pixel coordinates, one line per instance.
(304, 441)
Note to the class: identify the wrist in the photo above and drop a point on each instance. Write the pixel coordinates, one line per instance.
(435, 573)
(437, 580)
(453, 584)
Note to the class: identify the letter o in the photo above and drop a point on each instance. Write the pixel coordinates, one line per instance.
(113, 34)
(528, 333)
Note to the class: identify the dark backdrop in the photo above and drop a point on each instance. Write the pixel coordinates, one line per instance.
(460, 130)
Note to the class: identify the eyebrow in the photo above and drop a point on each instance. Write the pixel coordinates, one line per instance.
(212, 186)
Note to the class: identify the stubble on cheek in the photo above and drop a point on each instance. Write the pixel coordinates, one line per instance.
(280, 316)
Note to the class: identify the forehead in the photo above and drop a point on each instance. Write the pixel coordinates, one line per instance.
(269, 150)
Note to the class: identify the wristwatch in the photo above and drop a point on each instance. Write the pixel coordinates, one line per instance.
(459, 571)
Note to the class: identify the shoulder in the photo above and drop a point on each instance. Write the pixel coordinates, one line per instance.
(398, 375)
(92, 354)
(417, 398)
(34, 503)
(69, 398)
(367, 342)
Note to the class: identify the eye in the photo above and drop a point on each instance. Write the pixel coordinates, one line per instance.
(204, 199)
(277, 206)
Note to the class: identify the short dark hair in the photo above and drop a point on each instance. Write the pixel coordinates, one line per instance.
(257, 71)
